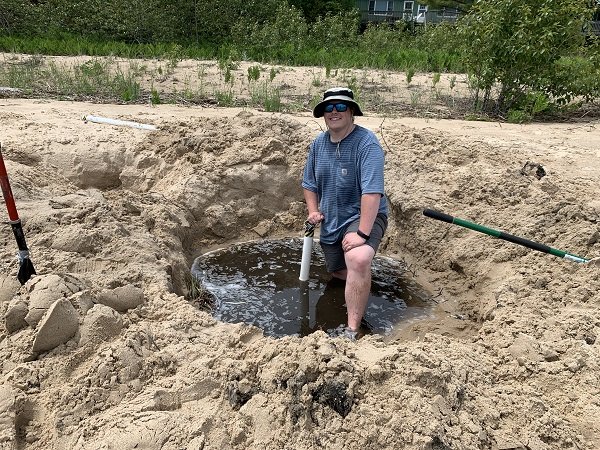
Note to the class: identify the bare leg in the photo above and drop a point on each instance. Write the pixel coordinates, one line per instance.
(358, 283)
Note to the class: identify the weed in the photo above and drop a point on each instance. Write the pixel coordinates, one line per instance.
(539, 102)
(201, 71)
(228, 64)
(228, 76)
(173, 56)
(436, 78)
(197, 294)
(410, 73)
(92, 68)
(188, 91)
(224, 98)
(351, 81)
(201, 77)
(126, 84)
(273, 101)
(130, 91)
(154, 97)
(253, 73)
(266, 96)
(415, 98)
(95, 77)
(518, 116)
(316, 81)
(436, 94)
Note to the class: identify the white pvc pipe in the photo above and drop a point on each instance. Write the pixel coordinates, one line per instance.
(306, 255)
(125, 123)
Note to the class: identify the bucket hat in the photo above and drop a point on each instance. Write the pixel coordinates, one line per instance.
(345, 95)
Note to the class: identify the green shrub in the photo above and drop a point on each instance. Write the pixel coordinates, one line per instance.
(281, 38)
(520, 49)
(577, 74)
(335, 31)
(518, 116)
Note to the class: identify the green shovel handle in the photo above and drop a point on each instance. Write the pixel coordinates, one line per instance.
(438, 215)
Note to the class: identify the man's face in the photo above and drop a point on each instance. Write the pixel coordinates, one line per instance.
(337, 120)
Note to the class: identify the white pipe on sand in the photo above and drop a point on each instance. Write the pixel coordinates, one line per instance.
(125, 123)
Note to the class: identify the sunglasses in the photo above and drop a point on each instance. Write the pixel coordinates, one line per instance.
(339, 107)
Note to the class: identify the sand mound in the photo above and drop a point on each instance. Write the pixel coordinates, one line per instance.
(115, 216)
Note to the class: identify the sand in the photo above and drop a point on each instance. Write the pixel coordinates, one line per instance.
(114, 217)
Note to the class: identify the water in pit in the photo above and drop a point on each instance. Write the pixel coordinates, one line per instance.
(257, 283)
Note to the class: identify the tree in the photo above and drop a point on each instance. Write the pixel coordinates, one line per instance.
(134, 21)
(528, 47)
(17, 16)
(313, 9)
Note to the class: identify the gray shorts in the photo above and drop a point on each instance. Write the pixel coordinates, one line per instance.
(334, 254)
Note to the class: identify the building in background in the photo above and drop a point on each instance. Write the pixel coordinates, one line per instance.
(403, 10)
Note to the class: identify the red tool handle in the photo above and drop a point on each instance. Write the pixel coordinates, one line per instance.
(6, 191)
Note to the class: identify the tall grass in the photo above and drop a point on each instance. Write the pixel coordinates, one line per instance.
(68, 45)
(263, 94)
(95, 77)
(333, 41)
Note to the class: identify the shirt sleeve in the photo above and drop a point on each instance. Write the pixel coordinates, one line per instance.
(371, 162)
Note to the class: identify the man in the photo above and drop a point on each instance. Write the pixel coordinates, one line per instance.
(343, 189)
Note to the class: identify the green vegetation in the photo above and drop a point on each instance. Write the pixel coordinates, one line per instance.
(281, 35)
(523, 59)
(266, 96)
(253, 73)
(197, 294)
(536, 57)
(410, 73)
(94, 77)
(314, 9)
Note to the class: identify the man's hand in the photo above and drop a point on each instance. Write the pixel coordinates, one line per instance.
(352, 240)
(315, 217)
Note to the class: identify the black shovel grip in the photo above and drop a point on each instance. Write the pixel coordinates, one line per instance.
(19, 235)
(438, 215)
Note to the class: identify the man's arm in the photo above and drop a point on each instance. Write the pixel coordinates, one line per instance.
(312, 204)
(369, 207)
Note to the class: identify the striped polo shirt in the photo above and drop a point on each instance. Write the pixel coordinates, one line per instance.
(340, 174)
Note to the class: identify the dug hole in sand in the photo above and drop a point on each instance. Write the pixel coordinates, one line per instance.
(114, 216)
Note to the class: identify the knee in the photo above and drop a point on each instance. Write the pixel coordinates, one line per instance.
(359, 261)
